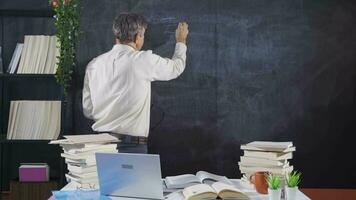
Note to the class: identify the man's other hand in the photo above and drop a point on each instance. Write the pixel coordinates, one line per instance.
(182, 32)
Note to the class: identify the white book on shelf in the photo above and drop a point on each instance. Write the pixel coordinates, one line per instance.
(12, 119)
(51, 56)
(29, 55)
(22, 125)
(39, 47)
(23, 54)
(39, 52)
(15, 58)
(43, 54)
(34, 119)
(43, 124)
(33, 54)
(56, 46)
(34, 129)
(56, 129)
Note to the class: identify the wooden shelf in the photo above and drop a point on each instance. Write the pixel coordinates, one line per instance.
(39, 190)
(6, 141)
(27, 13)
(27, 87)
(27, 76)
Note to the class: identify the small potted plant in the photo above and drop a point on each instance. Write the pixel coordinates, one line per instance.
(274, 190)
(293, 179)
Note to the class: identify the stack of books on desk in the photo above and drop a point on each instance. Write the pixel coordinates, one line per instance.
(264, 156)
(79, 154)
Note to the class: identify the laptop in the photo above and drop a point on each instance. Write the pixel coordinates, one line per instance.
(129, 175)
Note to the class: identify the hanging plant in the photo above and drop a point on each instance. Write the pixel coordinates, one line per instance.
(67, 28)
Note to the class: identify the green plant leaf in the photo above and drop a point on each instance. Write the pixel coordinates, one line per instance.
(67, 31)
(293, 178)
(273, 181)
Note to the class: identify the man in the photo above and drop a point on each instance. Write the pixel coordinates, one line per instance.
(117, 84)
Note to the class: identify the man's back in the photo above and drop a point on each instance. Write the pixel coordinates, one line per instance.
(117, 87)
(117, 84)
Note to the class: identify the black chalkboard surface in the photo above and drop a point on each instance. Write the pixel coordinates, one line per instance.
(281, 70)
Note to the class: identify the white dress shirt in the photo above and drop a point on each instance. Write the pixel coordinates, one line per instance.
(117, 87)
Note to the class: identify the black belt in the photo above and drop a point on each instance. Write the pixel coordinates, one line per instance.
(127, 139)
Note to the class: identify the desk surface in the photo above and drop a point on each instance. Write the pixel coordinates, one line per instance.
(250, 191)
(330, 194)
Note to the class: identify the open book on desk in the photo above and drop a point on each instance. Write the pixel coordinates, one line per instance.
(217, 189)
(186, 180)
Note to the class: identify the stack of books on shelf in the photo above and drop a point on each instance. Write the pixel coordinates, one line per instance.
(265, 156)
(34, 120)
(79, 154)
(37, 55)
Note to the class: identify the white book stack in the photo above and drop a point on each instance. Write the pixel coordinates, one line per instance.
(79, 154)
(266, 156)
(34, 120)
(38, 55)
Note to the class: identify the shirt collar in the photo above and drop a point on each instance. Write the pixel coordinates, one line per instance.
(123, 46)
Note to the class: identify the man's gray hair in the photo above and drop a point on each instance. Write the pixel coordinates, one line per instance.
(127, 25)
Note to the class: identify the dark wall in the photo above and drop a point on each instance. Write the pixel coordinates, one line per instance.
(256, 70)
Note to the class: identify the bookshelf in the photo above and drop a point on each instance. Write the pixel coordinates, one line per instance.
(14, 24)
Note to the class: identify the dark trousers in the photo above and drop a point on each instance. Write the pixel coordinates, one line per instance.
(132, 148)
(131, 144)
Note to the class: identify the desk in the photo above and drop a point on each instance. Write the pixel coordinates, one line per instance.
(250, 191)
(330, 194)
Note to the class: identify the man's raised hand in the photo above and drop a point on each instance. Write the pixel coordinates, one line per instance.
(182, 32)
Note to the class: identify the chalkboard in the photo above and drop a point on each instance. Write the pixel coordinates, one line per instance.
(256, 70)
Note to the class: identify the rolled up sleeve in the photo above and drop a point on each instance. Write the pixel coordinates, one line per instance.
(164, 69)
(86, 101)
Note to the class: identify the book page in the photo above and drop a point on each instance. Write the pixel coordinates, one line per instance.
(219, 187)
(209, 178)
(178, 195)
(200, 191)
(23, 54)
(270, 145)
(181, 181)
(91, 138)
(227, 191)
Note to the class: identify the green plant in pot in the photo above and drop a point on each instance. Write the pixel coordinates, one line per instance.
(293, 179)
(274, 190)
